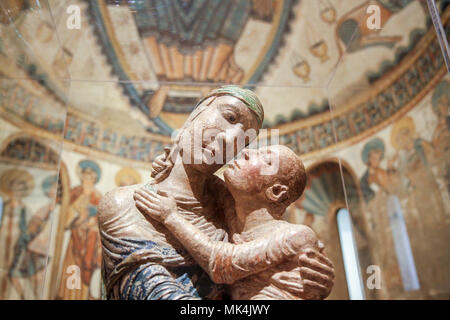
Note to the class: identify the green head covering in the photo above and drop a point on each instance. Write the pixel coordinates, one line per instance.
(247, 96)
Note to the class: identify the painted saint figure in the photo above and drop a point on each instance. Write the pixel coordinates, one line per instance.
(15, 185)
(414, 159)
(381, 188)
(441, 135)
(83, 247)
(31, 250)
(425, 211)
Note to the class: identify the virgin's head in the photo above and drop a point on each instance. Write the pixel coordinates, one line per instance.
(223, 123)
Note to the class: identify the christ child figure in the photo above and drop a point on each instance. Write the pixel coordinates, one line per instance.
(264, 259)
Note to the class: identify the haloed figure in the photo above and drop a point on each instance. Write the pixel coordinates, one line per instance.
(378, 185)
(31, 250)
(15, 185)
(441, 134)
(425, 207)
(83, 250)
(127, 177)
(415, 156)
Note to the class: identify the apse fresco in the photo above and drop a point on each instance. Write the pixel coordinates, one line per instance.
(31, 197)
(396, 188)
(86, 108)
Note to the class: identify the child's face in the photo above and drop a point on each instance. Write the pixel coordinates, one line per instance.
(246, 174)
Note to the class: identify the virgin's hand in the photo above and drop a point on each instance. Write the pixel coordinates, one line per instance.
(317, 274)
(288, 281)
(155, 206)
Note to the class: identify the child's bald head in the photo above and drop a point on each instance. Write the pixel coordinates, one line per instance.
(292, 172)
(285, 184)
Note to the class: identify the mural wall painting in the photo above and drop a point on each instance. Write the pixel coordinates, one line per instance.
(31, 194)
(441, 134)
(425, 209)
(16, 185)
(395, 168)
(353, 34)
(127, 177)
(402, 196)
(28, 246)
(377, 186)
(318, 207)
(415, 177)
(81, 228)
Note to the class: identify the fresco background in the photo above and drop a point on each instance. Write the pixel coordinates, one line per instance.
(85, 110)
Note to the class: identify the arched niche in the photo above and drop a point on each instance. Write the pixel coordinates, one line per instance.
(27, 151)
(332, 184)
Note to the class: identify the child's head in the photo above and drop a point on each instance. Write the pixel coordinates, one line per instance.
(246, 180)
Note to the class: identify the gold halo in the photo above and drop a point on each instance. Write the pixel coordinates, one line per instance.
(14, 175)
(404, 123)
(126, 173)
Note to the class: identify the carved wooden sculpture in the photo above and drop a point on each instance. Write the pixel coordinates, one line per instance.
(263, 260)
(146, 256)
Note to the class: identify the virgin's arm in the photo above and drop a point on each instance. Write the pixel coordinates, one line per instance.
(227, 262)
(224, 262)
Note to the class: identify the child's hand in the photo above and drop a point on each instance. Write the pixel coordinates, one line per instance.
(155, 206)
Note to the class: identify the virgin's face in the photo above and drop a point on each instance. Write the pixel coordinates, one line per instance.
(218, 133)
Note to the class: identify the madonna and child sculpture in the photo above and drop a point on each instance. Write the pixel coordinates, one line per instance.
(187, 234)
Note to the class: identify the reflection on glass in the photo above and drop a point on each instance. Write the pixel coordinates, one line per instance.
(350, 256)
(402, 246)
(1, 209)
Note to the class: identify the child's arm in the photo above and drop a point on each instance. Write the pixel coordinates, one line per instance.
(224, 262)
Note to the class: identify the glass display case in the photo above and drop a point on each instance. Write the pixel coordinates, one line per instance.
(92, 91)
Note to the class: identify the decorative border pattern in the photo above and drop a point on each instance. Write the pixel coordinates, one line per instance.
(390, 98)
(112, 50)
(393, 96)
(44, 117)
